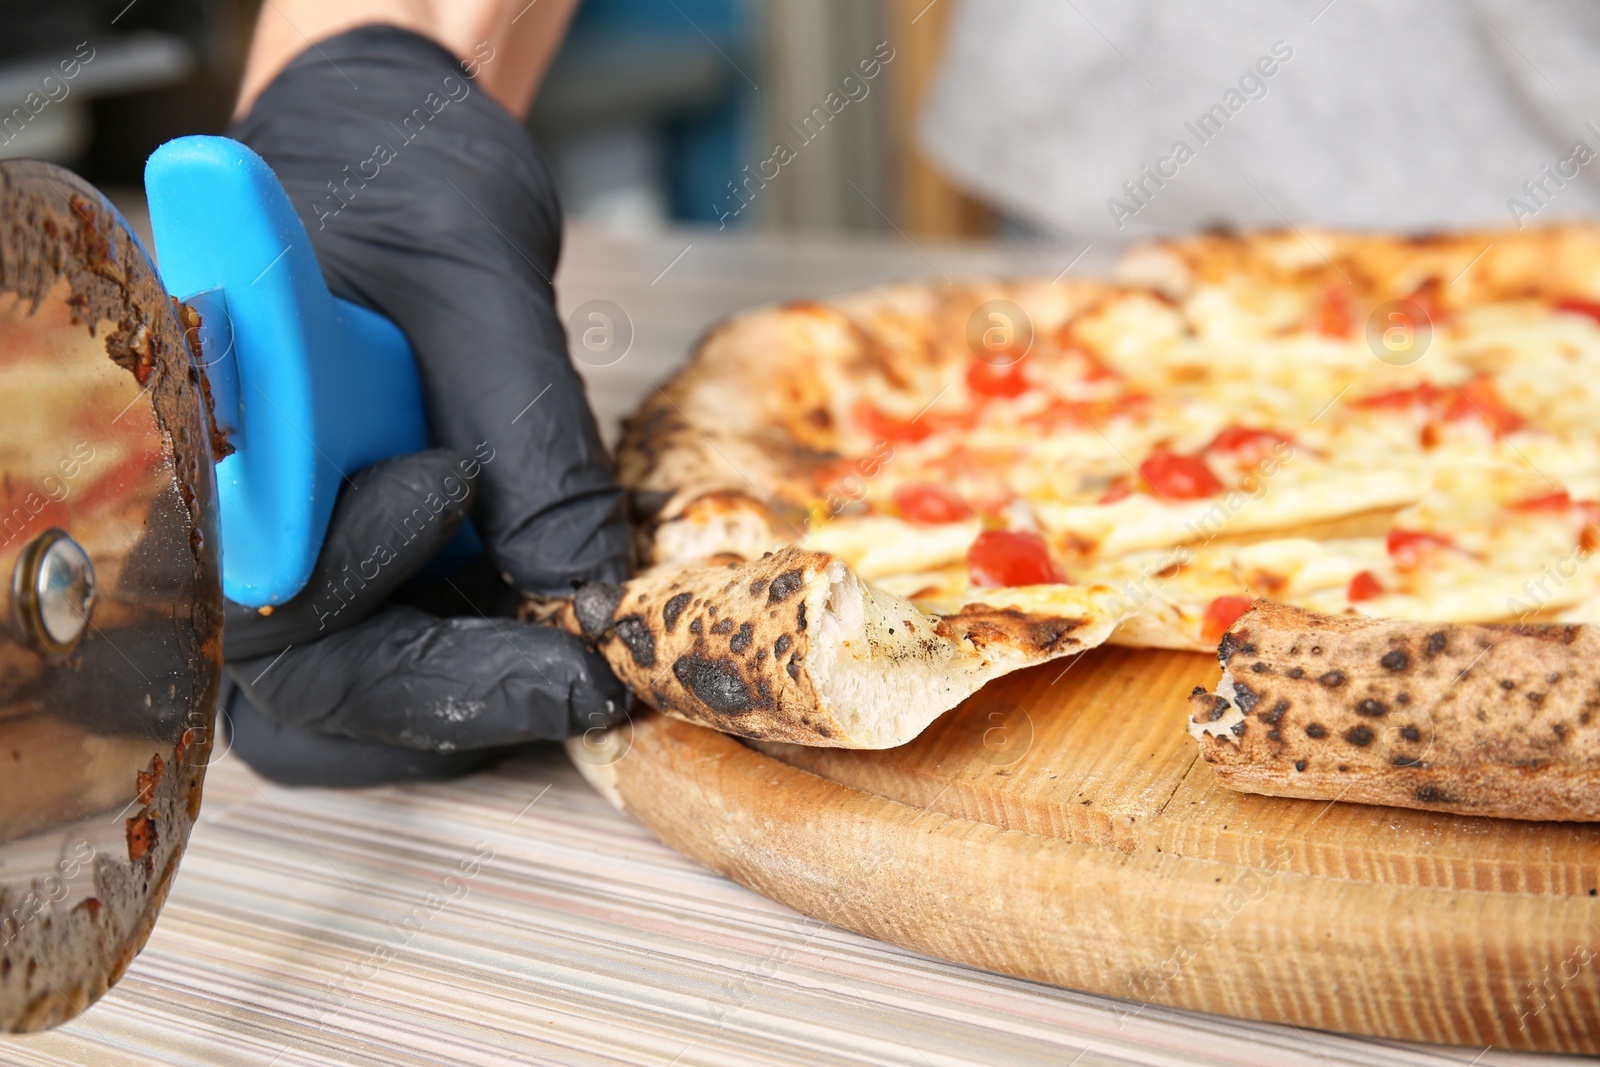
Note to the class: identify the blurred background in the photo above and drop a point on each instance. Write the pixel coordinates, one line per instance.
(651, 113)
(655, 127)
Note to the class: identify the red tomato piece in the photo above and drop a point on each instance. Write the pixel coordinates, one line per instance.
(1178, 477)
(1222, 613)
(1589, 536)
(1335, 314)
(1425, 394)
(1408, 547)
(1096, 371)
(1577, 305)
(987, 379)
(888, 428)
(1120, 491)
(1560, 500)
(1006, 557)
(1480, 398)
(1245, 444)
(930, 504)
(1129, 403)
(1363, 586)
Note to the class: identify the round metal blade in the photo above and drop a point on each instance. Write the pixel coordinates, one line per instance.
(110, 594)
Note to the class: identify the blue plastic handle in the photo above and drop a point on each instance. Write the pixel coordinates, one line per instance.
(322, 386)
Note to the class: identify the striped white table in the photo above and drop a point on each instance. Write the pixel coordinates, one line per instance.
(514, 918)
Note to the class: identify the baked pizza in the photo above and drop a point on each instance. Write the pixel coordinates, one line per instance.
(1015, 470)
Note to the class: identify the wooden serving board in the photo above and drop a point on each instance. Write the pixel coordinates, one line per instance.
(1059, 826)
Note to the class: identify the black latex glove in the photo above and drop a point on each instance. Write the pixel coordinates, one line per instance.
(446, 221)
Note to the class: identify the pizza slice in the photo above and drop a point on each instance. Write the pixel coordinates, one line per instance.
(795, 647)
(1481, 720)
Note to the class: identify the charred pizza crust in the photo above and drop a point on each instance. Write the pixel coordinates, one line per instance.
(1499, 720)
(795, 647)
(734, 453)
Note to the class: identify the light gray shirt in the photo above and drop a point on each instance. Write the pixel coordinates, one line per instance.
(1106, 120)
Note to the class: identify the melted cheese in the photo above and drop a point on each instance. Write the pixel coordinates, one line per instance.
(1114, 376)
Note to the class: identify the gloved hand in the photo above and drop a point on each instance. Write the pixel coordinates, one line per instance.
(426, 201)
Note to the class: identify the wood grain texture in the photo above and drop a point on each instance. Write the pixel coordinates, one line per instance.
(1102, 755)
(1059, 827)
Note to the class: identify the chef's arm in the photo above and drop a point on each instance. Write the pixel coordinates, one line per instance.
(426, 201)
(522, 36)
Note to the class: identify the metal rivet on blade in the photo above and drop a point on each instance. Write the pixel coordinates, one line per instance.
(53, 592)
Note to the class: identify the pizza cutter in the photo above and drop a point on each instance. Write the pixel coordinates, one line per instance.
(164, 439)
